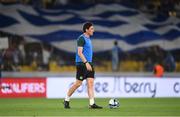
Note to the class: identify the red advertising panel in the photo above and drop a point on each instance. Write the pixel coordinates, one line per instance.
(23, 87)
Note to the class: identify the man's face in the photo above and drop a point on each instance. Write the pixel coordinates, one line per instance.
(90, 31)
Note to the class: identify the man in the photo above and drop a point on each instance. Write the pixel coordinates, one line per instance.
(115, 56)
(84, 66)
(1, 68)
(169, 63)
(158, 70)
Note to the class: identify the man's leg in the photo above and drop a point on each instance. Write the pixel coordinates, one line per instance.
(70, 92)
(73, 88)
(90, 86)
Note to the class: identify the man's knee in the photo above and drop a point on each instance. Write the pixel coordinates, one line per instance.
(90, 82)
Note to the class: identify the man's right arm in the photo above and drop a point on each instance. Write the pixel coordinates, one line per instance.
(81, 55)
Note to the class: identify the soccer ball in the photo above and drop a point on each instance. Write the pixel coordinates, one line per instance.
(114, 103)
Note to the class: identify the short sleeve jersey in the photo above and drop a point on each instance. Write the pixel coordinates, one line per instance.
(84, 42)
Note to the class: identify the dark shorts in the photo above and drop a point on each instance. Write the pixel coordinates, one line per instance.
(82, 73)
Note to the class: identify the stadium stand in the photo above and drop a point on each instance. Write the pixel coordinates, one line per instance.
(57, 27)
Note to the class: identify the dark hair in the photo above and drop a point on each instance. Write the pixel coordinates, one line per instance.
(115, 42)
(87, 25)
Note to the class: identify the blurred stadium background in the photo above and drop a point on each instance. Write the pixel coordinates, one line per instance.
(41, 34)
(38, 40)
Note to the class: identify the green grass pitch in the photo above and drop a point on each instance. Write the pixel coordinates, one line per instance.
(79, 107)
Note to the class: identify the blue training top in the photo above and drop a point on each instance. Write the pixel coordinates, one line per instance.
(84, 42)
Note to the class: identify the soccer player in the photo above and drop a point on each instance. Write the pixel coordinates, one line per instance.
(84, 66)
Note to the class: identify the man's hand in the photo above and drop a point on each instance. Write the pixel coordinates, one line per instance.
(88, 66)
